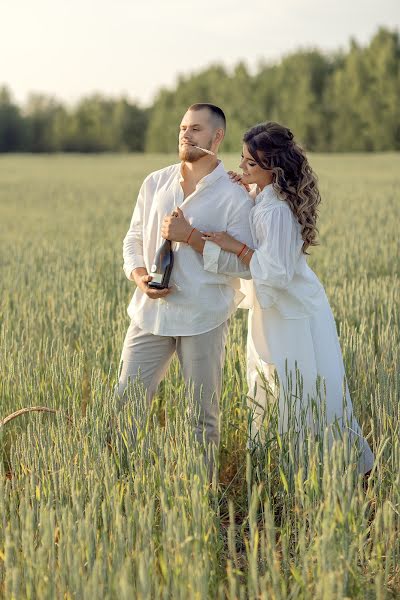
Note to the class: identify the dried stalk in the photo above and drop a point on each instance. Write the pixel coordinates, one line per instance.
(29, 409)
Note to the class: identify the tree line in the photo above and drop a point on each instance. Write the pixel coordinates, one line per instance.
(343, 101)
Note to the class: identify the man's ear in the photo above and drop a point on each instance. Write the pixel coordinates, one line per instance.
(219, 135)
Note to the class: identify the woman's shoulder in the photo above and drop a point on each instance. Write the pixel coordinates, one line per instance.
(268, 197)
(273, 207)
(274, 216)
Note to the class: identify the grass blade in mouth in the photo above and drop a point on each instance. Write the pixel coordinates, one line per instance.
(206, 151)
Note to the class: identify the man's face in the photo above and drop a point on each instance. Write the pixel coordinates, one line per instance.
(196, 129)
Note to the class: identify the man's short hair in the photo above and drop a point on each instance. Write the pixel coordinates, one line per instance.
(217, 114)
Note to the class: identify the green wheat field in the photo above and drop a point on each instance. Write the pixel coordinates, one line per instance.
(87, 516)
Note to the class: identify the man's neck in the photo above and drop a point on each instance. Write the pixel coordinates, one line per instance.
(194, 171)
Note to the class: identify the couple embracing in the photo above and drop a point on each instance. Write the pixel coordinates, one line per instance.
(238, 240)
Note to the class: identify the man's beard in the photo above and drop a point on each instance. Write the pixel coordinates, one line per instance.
(191, 154)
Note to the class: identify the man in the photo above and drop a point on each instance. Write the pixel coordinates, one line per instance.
(191, 316)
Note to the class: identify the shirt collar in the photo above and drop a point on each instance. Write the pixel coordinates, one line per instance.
(267, 195)
(209, 179)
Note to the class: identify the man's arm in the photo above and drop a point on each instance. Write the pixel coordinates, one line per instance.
(134, 264)
(133, 241)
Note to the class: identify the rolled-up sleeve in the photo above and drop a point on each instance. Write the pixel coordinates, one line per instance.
(217, 260)
(133, 241)
(211, 254)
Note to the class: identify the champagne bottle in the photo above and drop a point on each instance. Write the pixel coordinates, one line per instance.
(162, 266)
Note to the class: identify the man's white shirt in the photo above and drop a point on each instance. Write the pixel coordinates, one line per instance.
(205, 287)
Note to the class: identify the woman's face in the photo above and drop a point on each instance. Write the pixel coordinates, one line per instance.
(252, 172)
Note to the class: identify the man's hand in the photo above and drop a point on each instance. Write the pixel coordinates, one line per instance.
(141, 278)
(175, 227)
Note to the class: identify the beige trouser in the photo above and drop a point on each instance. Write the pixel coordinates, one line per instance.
(201, 358)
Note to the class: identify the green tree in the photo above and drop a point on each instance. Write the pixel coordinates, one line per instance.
(348, 101)
(130, 124)
(12, 134)
(294, 96)
(382, 105)
(365, 94)
(41, 120)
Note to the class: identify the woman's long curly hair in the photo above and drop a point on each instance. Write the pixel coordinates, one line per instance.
(273, 148)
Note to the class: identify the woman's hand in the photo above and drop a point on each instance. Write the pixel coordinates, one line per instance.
(238, 179)
(223, 240)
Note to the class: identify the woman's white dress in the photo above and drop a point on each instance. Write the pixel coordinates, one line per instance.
(292, 332)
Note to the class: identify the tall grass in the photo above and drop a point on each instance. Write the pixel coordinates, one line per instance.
(86, 515)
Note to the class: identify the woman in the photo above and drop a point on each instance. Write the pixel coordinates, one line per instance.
(291, 329)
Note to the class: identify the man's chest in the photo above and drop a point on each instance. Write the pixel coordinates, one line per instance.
(206, 210)
(188, 189)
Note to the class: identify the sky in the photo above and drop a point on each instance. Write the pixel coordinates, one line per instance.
(72, 48)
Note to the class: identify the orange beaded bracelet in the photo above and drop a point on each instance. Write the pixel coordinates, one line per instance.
(187, 241)
(243, 247)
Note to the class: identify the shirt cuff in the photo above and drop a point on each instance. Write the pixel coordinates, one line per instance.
(211, 254)
(135, 263)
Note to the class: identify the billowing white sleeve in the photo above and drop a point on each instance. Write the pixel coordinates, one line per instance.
(133, 241)
(274, 261)
(227, 263)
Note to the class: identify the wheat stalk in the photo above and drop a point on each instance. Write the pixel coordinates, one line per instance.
(23, 411)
